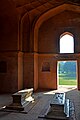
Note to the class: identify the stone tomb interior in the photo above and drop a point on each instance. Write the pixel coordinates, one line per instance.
(30, 32)
(58, 106)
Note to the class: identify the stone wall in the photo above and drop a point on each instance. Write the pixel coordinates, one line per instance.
(50, 31)
(47, 72)
(29, 42)
(9, 75)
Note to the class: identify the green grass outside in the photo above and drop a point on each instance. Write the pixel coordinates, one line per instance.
(67, 80)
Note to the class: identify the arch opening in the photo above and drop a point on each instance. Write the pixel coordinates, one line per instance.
(67, 73)
(66, 43)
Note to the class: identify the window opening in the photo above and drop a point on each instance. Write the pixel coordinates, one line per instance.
(66, 43)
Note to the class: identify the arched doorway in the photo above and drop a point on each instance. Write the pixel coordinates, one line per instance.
(67, 69)
(67, 73)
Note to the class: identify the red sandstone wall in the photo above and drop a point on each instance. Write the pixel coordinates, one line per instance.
(36, 72)
(8, 26)
(8, 46)
(28, 70)
(47, 76)
(50, 31)
(9, 78)
(48, 42)
(20, 70)
(78, 75)
(25, 33)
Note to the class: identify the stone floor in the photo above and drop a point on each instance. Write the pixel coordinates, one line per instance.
(42, 100)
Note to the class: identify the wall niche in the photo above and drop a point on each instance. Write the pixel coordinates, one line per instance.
(3, 67)
(46, 67)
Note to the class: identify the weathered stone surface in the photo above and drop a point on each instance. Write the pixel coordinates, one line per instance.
(21, 99)
(60, 108)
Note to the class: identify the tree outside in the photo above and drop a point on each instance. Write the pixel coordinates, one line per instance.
(67, 73)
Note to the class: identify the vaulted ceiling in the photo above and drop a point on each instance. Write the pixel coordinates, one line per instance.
(46, 3)
(35, 8)
(30, 14)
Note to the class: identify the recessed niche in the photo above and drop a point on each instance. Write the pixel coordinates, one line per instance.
(46, 67)
(3, 67)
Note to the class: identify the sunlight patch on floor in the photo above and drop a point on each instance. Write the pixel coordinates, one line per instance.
(61, 89)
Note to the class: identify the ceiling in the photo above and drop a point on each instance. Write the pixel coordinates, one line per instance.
(46, 3)
(38, 7)
(35, 8)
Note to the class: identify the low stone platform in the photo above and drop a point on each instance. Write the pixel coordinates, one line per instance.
(21, 99)
(60, 108)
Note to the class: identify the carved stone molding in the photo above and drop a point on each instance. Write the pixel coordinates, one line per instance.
(67, 56)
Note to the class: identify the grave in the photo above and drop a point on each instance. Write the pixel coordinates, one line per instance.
(59, 108)
(21, 99)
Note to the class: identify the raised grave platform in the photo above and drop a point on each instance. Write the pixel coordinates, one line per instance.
(21, 99)
(60, 108)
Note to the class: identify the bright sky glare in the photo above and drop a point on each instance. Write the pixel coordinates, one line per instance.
(67, 44)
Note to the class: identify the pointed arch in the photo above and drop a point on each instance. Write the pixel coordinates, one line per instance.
(66, 43)
(47, 15)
